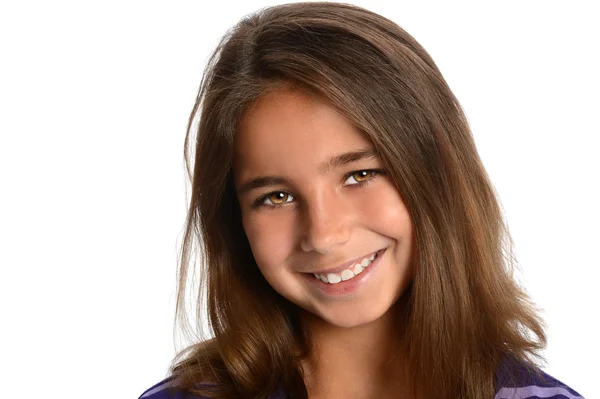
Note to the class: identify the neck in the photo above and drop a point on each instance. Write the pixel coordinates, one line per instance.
(358, 362)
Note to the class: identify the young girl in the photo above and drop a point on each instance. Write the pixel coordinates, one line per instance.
(352, 245)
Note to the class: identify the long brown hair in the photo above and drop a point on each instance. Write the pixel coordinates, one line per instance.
(466, 314)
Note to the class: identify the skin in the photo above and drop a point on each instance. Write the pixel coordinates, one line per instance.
(320, 219)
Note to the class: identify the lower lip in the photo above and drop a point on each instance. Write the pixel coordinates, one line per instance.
(349, 286)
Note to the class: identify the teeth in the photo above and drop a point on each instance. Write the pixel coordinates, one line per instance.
(354, 270)
(347, 275)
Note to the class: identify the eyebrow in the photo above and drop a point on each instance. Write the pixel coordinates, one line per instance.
(332, 163)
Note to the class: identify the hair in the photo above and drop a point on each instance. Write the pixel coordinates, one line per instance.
(466, 315)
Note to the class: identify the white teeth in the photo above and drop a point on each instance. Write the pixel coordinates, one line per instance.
(347, 275)
(354, 270)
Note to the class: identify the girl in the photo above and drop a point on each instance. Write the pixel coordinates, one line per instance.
(352, 244)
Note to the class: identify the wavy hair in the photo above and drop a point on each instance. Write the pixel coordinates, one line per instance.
(466, 314)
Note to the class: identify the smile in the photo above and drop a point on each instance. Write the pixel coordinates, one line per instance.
(346, 280)
(349, 273)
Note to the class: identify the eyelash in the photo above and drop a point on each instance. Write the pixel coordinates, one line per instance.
(374, 173)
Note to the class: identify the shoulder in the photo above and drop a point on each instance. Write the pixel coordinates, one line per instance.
(165, 390)
(527, 382)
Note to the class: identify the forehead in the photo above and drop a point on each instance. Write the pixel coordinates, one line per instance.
(287, 129)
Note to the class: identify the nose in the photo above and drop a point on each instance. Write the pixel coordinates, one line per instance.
(327, 223)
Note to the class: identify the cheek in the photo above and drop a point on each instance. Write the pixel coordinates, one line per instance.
(387, 213)
(271, 238)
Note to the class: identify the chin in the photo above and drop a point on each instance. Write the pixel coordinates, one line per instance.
(343, 318)
(350, 322)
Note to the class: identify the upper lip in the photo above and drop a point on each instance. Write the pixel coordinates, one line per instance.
(345, 265)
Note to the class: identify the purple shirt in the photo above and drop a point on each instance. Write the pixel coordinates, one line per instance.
(528, 385)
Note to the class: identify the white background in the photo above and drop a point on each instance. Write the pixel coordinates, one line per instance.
(94, 100)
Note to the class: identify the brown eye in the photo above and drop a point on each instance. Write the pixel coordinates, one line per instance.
(278, 198)
(360, 176)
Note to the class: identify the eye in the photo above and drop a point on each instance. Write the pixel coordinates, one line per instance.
(360, 176)
(276, 198)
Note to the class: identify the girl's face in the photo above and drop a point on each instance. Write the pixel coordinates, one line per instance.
(314, 199)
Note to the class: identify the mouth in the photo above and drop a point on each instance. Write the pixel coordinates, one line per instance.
(348, 271)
